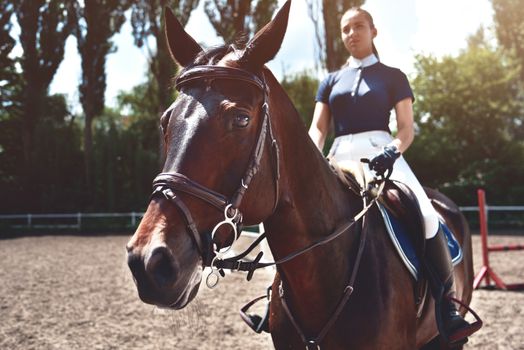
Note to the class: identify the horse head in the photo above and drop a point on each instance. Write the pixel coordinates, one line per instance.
(220, 162)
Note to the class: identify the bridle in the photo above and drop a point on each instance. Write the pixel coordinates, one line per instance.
(168, 184)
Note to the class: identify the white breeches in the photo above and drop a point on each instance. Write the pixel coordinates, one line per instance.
(367, 145)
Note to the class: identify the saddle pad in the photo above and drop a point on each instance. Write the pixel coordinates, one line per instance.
(404, 245)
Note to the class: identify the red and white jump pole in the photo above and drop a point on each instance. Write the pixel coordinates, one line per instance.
(486, 272)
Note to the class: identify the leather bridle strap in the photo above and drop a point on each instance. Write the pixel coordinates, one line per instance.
(348, 290)
(168, 183)
(208, 72)
(186, 214)
(254, 164)
(179, 182)
(234, 262)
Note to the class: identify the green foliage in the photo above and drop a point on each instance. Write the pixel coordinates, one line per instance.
(7, 43)
(148, 23)
(147, 17)
(126, 161)
(230, 18)
(140, 102)
(57, 162)
(141, 117)
(10, 80)
(126, 151)
(301, 89)
(469, 120)
(95, 23)
(262, 14)
(509, 25)
(44, 28)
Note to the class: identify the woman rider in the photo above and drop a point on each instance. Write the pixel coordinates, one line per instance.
(359, 98)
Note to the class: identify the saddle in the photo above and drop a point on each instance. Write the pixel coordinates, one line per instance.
(396, 198)
(397, 203)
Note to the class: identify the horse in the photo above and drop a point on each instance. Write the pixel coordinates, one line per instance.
(237, 152)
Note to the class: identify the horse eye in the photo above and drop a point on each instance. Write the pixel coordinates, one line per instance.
(241, 120)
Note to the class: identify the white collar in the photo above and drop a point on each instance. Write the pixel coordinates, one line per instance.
(365, 62)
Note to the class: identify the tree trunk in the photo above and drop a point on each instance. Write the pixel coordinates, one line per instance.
(33, 105)
(88, 151)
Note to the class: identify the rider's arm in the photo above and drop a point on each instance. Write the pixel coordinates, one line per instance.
(320, 125)
(405, 122)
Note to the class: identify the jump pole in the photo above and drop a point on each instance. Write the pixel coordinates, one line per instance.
(486, 272)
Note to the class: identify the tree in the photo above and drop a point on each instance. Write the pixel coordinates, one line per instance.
(331, 50)
(231, 18)
(301, 88)
(147, 21)
(44, 28)
(467, 115)
(10, 90)
(7, 43)
(95, 23)
(57, 162)
(509, 27)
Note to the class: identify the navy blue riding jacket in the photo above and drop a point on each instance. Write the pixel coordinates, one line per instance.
(380, 88)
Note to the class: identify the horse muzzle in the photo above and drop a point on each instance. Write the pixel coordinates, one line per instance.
(160, 280)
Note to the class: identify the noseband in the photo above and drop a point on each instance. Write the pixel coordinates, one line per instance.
(169, 184)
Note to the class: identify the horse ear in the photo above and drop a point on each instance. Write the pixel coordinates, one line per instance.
(182, 46)
(266, 43)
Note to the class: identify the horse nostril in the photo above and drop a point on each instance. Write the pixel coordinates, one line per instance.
(160, 266)
(134, 261)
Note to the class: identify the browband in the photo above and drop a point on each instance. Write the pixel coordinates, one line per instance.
(214, 72)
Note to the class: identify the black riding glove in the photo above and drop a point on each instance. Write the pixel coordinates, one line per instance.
(384, 161)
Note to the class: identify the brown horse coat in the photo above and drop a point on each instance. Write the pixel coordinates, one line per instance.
(210, 132)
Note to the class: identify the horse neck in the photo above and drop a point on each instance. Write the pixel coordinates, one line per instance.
(313, 202)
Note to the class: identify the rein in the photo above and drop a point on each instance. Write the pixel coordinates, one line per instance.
(166, 184)
(235, 262)
(314, 343)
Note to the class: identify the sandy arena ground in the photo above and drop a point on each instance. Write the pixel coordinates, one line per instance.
(70, 292)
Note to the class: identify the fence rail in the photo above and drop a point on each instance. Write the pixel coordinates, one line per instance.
(495, 208)
(77, 220)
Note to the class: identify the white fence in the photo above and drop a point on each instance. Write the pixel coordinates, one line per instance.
(493, 208)
(67, 221)
(75, 221)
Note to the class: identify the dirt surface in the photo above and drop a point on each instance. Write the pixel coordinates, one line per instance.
(70, 292)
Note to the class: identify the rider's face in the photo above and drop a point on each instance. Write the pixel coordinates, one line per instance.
(357, 34)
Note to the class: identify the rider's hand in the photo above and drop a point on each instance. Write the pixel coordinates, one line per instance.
(384, 161)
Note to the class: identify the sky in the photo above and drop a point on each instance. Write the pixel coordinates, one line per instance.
(405, 28)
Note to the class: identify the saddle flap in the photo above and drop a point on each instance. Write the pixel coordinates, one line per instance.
(402, 203)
